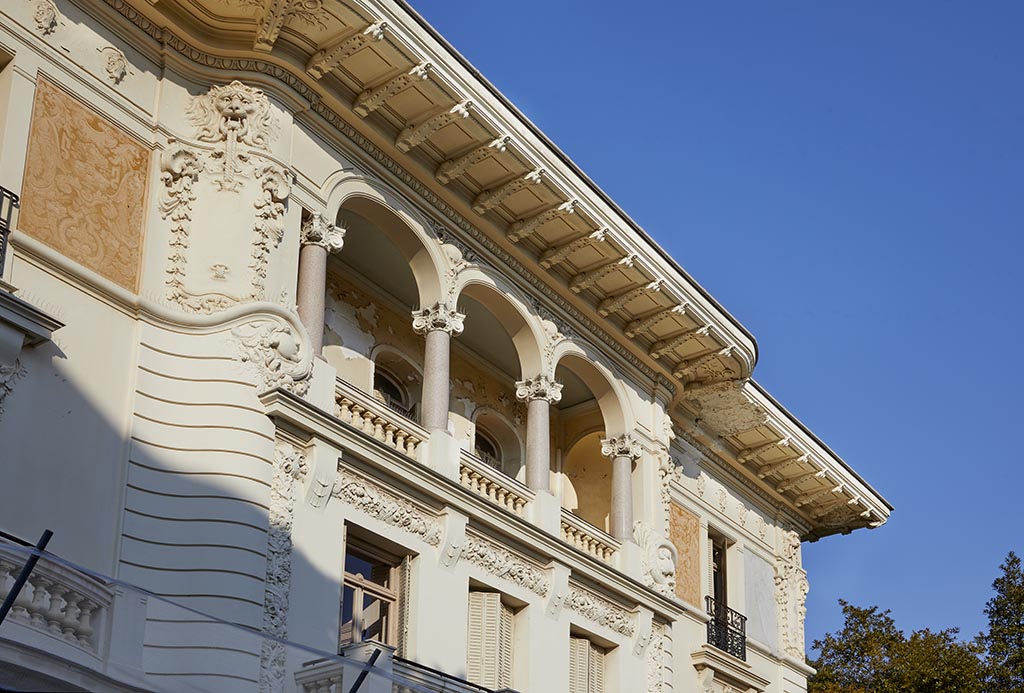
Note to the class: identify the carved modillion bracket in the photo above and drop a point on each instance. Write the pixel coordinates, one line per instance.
(690, 368)
(489, 199)
(585, 280)
(372, 99)
(326, 59)
(615, 303)
(525, 227)
(659, 349)
(751, 453)
(415, 135)
(554, 256)
(642, 325)
(454, 168)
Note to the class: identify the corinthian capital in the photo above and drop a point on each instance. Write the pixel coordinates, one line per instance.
(437, 317)
(318, 230)
(620, 446)
(540, 387)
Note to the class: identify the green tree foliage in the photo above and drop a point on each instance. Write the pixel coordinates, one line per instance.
(1004, 642)
(871, 655)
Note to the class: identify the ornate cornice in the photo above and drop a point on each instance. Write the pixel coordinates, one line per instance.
(506, 565)
(540, 387)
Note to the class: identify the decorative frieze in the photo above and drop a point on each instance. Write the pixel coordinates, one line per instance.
(505, 564)
(317, 229)
(559, 253)
(599, 610)
(585, 280)
(539, 387)
(273, 352)
(454, 168)
(438, 317)
(415, 135)
(372, 99)
(525, 227)
(621, 446)
(615, 303)
(489, 199)
(325, 60)
(382, 505)
(791, 588)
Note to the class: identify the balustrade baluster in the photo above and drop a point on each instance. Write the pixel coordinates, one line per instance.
(69, 624)
(86, 608)
(55, 614)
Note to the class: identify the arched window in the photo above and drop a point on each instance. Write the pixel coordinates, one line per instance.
(486, 449)
(387, 390)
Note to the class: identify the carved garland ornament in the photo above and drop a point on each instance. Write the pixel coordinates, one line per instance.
(46, 17)
(289, 467)
(8, 376)
(275, 186)
(791, 588)
(600, 610)
(659, 660)
(386, 507)
(506, 565)
(273, 352)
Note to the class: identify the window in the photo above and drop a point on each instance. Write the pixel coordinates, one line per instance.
(371, 595)
(718, 584)
(490, 630)
(586, 666)
(727, 628)
(387, 390)
(486, 449)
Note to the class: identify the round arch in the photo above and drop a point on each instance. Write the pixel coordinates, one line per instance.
(611, 396)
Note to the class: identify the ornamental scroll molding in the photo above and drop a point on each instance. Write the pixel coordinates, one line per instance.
(9, 375)
(115, 64)
(506, 565)
(658, 561)
(791, 588)
(384, 506)
(599, 610)
(274, 355)
(238, 121)
(289, 468)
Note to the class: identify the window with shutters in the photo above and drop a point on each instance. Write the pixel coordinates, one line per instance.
(586, 666)
(372, 600)
(489, 640)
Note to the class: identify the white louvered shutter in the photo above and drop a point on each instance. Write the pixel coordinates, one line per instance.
(579, 664)
(483, 644)
(595, 682)
(505, 635)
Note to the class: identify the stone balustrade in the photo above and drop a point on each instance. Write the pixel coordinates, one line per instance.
(588, 538)
(375, 418)
(57, 601)
(484, 480)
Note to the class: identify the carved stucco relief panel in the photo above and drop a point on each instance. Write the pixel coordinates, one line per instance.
(85, 187)
(684, 532)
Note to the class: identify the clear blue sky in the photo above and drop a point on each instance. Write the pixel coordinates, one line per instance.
(848, 180)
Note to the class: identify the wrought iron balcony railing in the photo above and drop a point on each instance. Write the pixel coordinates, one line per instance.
(727, 629)
(8, 203)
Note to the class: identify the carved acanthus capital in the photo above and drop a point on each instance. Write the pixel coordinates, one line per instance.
(621, 446)
(540, 387)
(438, 317)
(318, 230)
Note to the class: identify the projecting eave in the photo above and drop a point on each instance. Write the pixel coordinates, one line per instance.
(420, 109)
(785, 458)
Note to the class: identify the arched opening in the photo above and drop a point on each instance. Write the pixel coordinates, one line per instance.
(486, 361)
(373, 285)
(496, 443)
(589, 410)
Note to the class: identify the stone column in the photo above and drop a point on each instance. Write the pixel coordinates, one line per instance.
(622, 450)
(539, 393)
(317, 238)
(437, 323)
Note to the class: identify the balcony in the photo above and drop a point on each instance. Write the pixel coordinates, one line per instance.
(389, 424)
(8, 203)
(727, 629)
(486, 481)
(588, 538)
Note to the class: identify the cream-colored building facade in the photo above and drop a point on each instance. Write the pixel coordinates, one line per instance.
(306, 328)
